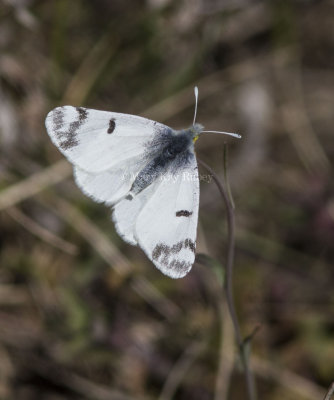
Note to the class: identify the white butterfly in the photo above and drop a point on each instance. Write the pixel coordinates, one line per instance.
(145, 170)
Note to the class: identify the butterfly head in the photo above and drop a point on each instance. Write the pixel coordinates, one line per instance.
(195, 130)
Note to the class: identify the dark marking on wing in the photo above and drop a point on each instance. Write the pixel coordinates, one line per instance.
(129, 197)
(58, 118)
(168, 152)
(83, 114)
(164, 254)
(188, 243)
(183, 213)
(112, 125)
(68, 139)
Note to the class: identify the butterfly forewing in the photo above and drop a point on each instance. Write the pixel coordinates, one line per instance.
(96, 140)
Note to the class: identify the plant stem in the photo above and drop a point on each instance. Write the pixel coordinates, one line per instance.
(229, 282)
(330, 392)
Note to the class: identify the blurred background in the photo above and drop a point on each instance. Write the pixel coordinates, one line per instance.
(85, 315)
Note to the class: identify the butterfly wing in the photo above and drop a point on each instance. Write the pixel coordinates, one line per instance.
(111, 185)
(108, 150)
(126, 211)
(166, 226)
(96, 141)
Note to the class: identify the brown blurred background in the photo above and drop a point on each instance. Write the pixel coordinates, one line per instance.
(84, 315)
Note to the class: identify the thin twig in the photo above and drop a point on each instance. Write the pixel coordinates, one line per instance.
(179, 370)
(229, 282)
(34, 184)
(295, 119)
(226, 353)
(228, 187)
(226, 358)
(330, 392)
(90, 70)
(298, 385)
(41, 232)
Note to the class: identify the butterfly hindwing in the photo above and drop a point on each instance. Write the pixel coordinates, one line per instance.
(126, 211)
(109, 186)
(166, 226)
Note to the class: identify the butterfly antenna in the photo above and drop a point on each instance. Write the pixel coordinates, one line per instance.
(236, 135)
(196, 101)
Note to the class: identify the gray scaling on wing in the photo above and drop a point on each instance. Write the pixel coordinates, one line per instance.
(68, 138)
(163, 254)
(171, 150)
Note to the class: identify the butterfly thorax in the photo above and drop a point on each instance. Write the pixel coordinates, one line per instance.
(172, 153)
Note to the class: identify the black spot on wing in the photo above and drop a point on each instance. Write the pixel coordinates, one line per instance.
(112, 125)
(68, 139)
(163, 254)
(183, 213)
